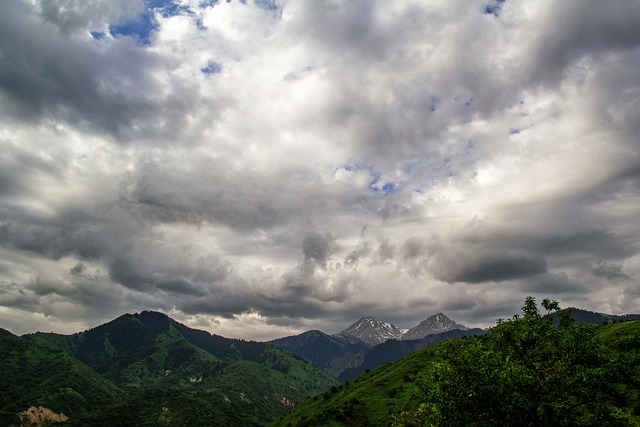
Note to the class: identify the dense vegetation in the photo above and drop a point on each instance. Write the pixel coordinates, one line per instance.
(154, 371)
(369, 400)
(31, 375)
(533, 369)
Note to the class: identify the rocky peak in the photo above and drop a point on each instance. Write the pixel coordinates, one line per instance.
(372, 331)
(434, 324)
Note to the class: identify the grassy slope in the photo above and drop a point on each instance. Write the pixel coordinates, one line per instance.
(368, 400)
(621, 330)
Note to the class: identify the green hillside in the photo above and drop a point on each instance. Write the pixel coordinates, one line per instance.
(525, 371)
(369, 400)
(32, 375)
(174, 375)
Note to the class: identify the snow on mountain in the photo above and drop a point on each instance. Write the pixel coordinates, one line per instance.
(432, 325)
(372, 331)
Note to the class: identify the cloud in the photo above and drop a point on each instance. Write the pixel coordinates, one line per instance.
(95, 15)
(609, 271)
(317, 248)
(553, 283)
(295, 165)
(477, 266)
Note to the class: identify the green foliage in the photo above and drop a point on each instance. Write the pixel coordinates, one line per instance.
(32, 375)
(170, 375)
(529, 372)
(368, 400)
(244, 393)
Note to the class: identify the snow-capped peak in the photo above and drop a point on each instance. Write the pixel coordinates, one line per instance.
(372, 331)
(434, 324)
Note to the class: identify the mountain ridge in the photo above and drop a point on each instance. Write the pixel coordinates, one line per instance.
(168, 370)
(371, 343)
(433, 324)
(373, 331)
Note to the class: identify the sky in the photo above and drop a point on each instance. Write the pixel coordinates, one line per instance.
(261, 168)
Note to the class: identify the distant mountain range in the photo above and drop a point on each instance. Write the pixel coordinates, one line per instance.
(369, 343)
(581, 317)
(374, 332)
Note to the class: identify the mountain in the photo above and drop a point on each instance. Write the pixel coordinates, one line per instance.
(368, 343)
(350, 352)
(582, 317)
(372, 331)
(432, 325)
(376, 397)
(33, 376)
(352, 365)
(319, 348)
(369, 400)
(169, 371)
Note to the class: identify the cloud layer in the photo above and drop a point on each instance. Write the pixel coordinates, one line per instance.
(258, 168)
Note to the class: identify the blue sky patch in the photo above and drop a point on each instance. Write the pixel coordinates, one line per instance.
(266, 4)
(390, 188)
(139, 28)
(434, 104)
(142, 26)
(494, 9)
(387, 188)
(207, 3)
(212, 68)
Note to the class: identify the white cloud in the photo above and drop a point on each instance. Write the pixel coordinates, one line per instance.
(303, 166)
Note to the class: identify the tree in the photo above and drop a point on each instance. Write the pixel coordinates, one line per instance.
(528, 371)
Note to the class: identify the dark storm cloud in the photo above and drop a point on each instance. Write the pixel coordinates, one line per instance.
(473, 267)
(553, 284)
(578, 29)
(125, 272)
(609, 271)
(56, 240)
(17, 164)
(503, 266)
(146, 268)
(592, 241)
(180, 286)
(317, 247)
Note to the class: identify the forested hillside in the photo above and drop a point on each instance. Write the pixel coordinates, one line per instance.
(147, 369)
(31, 375)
